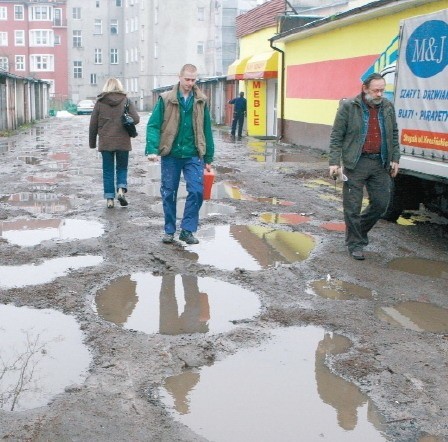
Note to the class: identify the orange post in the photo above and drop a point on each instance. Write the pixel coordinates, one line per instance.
(209, 178)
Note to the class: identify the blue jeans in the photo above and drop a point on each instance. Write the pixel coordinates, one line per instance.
(121, 157)
(193, 172)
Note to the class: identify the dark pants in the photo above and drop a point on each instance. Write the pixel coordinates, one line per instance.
(238, 119)
(371, 174)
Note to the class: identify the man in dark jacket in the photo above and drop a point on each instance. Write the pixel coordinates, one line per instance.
(239, 111)
(365, 139)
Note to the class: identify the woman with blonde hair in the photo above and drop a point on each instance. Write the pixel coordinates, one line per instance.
(114, 142)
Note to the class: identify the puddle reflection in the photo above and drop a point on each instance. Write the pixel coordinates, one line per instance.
(226, 189)
(335, 289)
(420, 266)
(417, 316)
(42, 352)
(250, 247)
(303, 397)
(39, 202)
(208, 208)
(30, 274)
(175, 304)
(284, 218)
(30, 232)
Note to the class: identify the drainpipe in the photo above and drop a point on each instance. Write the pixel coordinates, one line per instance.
(282, 91)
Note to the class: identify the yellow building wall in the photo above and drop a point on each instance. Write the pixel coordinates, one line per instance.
(353, 43)
(257, 42)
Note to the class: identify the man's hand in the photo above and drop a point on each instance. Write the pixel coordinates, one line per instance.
(153, 157)
(334, 171)
(393, 169)
(208, 167)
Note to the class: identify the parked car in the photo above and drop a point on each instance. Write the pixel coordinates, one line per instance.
(85, 107)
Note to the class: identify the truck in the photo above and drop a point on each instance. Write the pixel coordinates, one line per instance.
(419, 78)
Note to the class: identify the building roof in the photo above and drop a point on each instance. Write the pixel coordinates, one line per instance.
(261, 17)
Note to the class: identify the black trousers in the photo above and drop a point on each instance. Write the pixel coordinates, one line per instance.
(238, 119)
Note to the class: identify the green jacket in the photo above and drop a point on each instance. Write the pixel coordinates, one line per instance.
(350, 130)
(178, 131)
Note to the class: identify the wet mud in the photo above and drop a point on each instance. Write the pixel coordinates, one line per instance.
(266, 330)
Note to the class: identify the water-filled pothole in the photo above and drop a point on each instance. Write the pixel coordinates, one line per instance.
(208, 208)
(420, 266)
(175, 304)
(224, 189)
(417, 316)
(232, 400)
(42, 353)
(30, 274)
(39, 202)
(30, 232)
(336, 289)
(249, 247)
(284, 218)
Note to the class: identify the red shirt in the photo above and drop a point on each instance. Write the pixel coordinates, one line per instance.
(372, 143)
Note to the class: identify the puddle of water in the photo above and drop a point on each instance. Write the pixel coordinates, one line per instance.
(30, 274)
(420, 266)
(249, 247)
(30, 160)
(30, 232)
(175, 304)
(284, 218)
(226, 189)
(42, 352)
(46, 178)
(334, 227)
(231, 400)
(335, 289)
(208, 208)
(39, 202)
(417, 316)
(6, 145)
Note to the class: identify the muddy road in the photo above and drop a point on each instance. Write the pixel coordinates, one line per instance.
(267, 330)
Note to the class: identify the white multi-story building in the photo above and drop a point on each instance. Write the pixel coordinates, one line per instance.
(144, 43)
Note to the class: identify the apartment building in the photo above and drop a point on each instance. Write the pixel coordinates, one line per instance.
(33, 41)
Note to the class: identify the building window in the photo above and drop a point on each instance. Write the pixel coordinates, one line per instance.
(20, 62)
(40, 13)
(114, 56)
(77, 39)
(200, 47)
(77, 69)
(201, 14)
(57, 17)
(114, 27)
(42, 63)
(3, 13)
(98, 27)
(18, 12)
(97, 3)
(19, 38)
(93, 79)
(98, 56)
(41, 37)
(3, 39)
(4, 64)
(156, 50)
(57, 39)
(118, 3)
(76, 13)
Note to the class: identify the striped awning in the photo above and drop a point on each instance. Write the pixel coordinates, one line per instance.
(236, 70)
(262, 66)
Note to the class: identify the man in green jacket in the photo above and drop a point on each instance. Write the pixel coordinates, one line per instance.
(365, 139)
(179, 133)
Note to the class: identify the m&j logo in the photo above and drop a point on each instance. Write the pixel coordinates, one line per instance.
(426, 51)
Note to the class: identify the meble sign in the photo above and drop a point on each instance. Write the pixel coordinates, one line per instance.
(426, 50)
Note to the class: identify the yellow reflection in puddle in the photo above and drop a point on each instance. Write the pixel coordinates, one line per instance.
(341, 290)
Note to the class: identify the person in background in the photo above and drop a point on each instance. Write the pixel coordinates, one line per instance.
(179, 133)
(364, 139)
(239, 112)
(114, 141)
